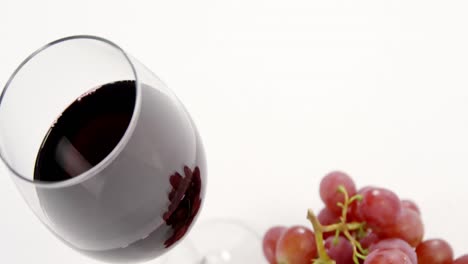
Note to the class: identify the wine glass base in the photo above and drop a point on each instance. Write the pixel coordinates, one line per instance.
(219, 241)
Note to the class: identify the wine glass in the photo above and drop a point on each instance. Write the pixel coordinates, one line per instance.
(102, 151)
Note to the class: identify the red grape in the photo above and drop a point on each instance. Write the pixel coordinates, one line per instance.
(342, 252)
(379, 207)
(353, 209)
(329, 189)
(408, 227)
(461, 260)
(434, 251)
(327, 217)
(296, 246)
(269, 242)
(365, 188)
(353, 213)
(410, 205)
(387, 256)
(370, 239)
(395, 243)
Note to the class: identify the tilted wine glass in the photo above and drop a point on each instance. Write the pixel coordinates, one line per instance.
(135, 201)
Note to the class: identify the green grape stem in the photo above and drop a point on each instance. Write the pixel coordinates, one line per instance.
(340, 227)
(318, 228)
(356, 247)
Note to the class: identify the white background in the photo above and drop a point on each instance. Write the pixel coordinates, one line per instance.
(282, 92)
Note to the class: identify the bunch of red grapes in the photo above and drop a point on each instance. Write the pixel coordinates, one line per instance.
(366, 226)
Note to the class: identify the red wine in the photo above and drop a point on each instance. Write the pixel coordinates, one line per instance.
(145, 199)
(86, 132)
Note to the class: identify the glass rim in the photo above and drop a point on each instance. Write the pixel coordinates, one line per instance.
(95, 170)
